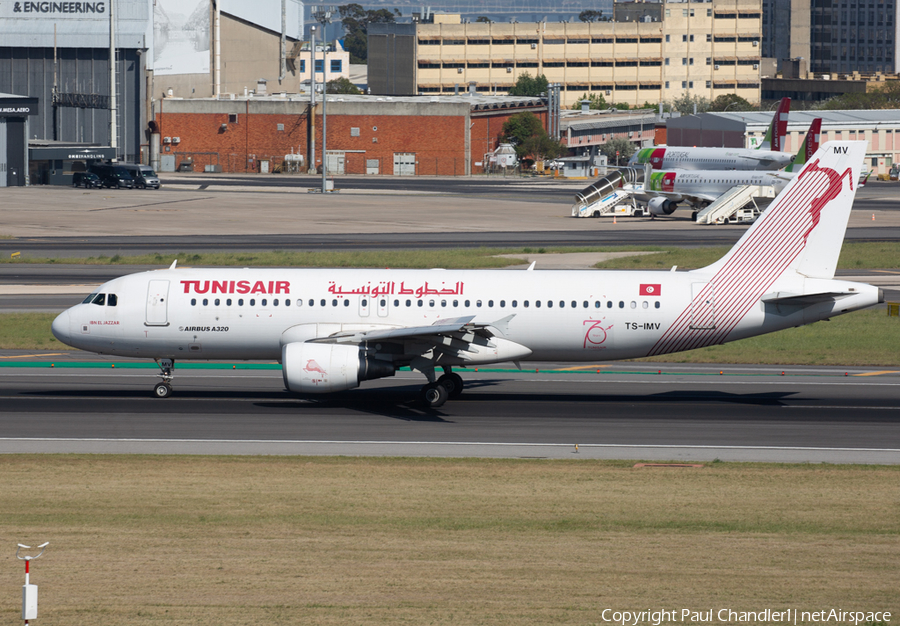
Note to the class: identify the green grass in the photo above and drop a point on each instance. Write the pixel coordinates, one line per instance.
(868, 255)
(853, 256)
(864, 339)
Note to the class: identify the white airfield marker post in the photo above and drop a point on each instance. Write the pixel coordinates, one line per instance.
(29, 591)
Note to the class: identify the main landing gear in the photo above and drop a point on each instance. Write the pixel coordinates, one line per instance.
(437, 392)
(166, 368)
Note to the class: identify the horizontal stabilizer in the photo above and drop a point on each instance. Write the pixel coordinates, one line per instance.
(803, 299)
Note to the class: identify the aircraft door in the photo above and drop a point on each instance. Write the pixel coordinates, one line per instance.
(158, 303)
(703, 306)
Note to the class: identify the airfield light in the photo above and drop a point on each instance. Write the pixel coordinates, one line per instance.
(29, 591)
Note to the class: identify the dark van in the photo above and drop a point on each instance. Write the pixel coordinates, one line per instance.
(113, 175)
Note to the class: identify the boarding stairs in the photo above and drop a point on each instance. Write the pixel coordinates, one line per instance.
(742, 203)
(604, 195)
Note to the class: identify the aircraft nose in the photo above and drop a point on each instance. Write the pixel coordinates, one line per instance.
(61, 328)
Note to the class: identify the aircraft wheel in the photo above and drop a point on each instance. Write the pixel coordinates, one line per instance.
(162, 390)
(596, 214)
(453, 383)
(434, 395)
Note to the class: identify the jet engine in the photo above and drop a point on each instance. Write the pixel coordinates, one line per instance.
(325, 367)
(662, 206)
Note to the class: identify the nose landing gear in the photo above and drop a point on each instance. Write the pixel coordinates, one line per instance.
(166, 369)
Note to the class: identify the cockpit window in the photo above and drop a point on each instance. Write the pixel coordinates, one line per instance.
(100, 299)
(89, 298)
(112, 300)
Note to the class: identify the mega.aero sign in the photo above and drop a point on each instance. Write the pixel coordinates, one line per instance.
(56, 9)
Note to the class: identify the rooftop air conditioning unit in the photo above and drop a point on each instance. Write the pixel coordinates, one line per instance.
(167, 140)
(756, 66)
(176, 139)
(608, 92)
(459, 70)
(534, 46)
(509, 70)
(715, 67)
(755, 43)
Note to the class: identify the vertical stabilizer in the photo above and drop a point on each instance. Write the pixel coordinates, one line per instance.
(775, 136)
(809, 147)
(799, 235)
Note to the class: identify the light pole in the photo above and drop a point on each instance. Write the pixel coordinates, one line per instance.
(323, 16)
(29, 591)
(312, 100)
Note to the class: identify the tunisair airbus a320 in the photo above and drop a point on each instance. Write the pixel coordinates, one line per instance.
(332, 329)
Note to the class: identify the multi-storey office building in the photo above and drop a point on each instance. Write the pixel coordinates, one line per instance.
(650, 52)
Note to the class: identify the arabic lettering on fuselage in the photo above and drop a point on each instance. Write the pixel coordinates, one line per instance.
(388, 288)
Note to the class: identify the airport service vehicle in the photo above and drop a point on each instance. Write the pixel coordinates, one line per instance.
(767, 156)
(88, 180)
(143, 175)
(333, 329)
(113, 176)
(664, 190)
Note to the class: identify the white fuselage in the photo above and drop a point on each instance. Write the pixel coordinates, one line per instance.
(688, 158)
(557, 315)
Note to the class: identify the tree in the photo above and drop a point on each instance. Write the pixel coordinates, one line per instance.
(685, 103)
(597, 101)
(527, 135)
(591, 16)
(483, 19)
(356, 22)
(528, 86)
(342, 85)
(623, 146)
(885, 97)
(730, 102)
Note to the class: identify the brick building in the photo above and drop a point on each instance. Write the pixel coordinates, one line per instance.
(438, 135)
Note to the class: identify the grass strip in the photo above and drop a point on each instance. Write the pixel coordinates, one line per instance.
(860, 339)
(291, 540)
(867, 255)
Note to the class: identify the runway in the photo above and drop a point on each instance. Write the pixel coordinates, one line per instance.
(610, 411)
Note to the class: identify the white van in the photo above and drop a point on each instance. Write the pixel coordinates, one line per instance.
(143, 175)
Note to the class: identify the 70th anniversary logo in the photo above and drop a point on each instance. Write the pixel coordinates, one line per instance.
(729, 616)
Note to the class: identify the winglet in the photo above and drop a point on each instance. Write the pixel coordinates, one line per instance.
(174, 263)
(531, 267)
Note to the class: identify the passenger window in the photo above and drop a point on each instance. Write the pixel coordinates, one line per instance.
(252, 302)
(346, 303)
(431, 304)
(645, 304)
(525, 304)
(382, 302)
(621, 304)
(334, 302)
(491, 303)
(322, 302)
(409, 303)
(537, 303)
(549, 304)
(467, 304)
(274, 302)
(396, 303)
(609, 304)
(421, 302)
(205, 302)
(300, 302)
(264, 302)
(228, 302)
(633, 304)
(478, 303)
(287, 302)
(240, 302)
(217, 301)
(443, 303)
(456, 303)
(365, 302)
(503, 304)
(585, 304)
(100, 299)
(193, 301)
(515, 303)
(656, 304)
(112, 300)
(596, 304)
(312, 302)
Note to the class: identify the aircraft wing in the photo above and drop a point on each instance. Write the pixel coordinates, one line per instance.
(452, 327)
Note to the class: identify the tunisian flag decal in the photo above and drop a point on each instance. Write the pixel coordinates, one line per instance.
(650, 290)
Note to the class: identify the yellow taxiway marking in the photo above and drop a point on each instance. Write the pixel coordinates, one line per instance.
(878, 373)
(579, 367)
(25, 356)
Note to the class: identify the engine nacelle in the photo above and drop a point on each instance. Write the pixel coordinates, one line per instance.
(325, 367)
(662, 206)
